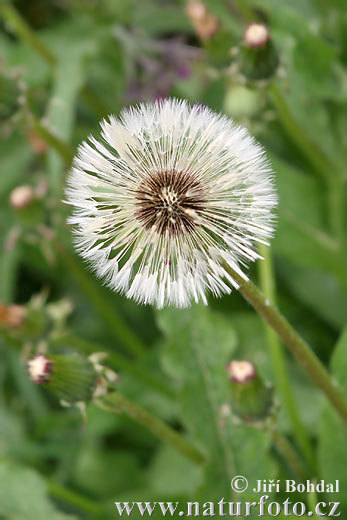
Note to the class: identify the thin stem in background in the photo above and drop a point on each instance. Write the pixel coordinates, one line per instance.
(317, 159)
(116, 402)
(328, 171)
(114, 321)
(60, 146)
(73, 498)
(121, 331)
(296, 344)
(267, 284)
(8, 270)
(20, 27)
(289, 455)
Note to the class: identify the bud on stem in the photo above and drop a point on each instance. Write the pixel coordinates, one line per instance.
(71, 377)
(251, 399)
(258, 56)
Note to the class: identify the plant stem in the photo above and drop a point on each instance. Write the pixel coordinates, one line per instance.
(328, 171)
(116, 324)
(117, 402)
(292, 340)
(317, 159)
(23, 30)
(288, 453)
(267, 284)
(73, 498)
(63, 149)
(20, 27)
(8, 269)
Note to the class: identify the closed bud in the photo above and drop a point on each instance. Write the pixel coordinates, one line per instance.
(12, 316)
(21, 197)
(251, 398)
(71, 377)
(258, 57)
(205, 23)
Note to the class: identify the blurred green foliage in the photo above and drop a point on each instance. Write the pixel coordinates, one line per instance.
(71, 63)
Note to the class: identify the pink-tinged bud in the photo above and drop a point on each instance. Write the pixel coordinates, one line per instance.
(37, 143)
(256, 35)
(40, 369)
(205, 23)
(251, 399)
(258, 57)
(73, 377)
(21, 197)
(241, 371)
(12, 316)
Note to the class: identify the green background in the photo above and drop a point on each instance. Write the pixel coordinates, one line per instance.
(66, 64)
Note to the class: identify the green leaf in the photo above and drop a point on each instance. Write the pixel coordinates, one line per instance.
(200, 343)
(172, 473)
(319, 290)
(332, 453)
(23, 495)
(300, 235)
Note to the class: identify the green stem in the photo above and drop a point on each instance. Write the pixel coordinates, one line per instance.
(73, 498)
(267, 284)
(63, 149)
(317, 159)
(288, 453)
(328, 171)
(292, 340)
(246, 11)
(336, 196)
(8, 270)
(99, 108)
(19, 26)
(116, 324)
(117, 402)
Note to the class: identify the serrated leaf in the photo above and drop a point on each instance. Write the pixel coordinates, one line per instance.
(200, 343)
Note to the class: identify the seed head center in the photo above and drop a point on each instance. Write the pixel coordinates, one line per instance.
(170, 202)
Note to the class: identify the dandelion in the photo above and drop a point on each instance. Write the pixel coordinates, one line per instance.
(171, 195)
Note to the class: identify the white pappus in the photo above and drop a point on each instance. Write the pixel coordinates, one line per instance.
(168, 196)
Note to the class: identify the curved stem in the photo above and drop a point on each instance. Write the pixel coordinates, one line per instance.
(117, 402)
(20, 27)
(292, 340)
(267, 284)
(320, 163)
(73, 498)
(60, 146)
(289, 455)
(329, 172)
(120, 329)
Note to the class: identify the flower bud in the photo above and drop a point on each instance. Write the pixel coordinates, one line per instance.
(258, 57)
(205, 23)
(251, 399)
(71, 377)
(21, 197)
(256, 35)
(12, 316)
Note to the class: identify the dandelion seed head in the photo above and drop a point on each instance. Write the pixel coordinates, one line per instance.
(167, 196)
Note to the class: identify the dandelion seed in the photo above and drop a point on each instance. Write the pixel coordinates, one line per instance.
(170, 195)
